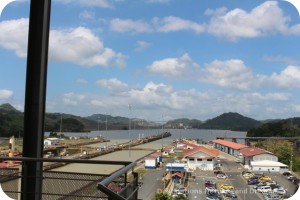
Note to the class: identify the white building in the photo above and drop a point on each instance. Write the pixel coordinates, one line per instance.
(51, 142)
(153, 160)
(229, 147)
(268, 166)
(247, 155)
(201, 157)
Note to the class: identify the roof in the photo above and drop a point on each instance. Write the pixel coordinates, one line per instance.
(210, 152)
(153, 155)
(267, 163)
(247, 152)
(175, 165)
(179, 174)
(230, 144)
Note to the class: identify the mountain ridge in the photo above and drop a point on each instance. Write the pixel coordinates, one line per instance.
(11, 122)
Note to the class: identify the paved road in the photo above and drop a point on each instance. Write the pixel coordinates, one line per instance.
(234, 172)
(152, 183)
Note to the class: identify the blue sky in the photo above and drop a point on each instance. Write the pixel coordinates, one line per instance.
(168, 59)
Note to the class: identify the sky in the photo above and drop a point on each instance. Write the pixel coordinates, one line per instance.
(167, 59)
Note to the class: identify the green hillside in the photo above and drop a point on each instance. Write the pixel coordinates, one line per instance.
(283, 128)
(231, 121)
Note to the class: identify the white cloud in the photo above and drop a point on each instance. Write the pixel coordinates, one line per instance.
(141, 45)
(183, 67)
(289, 78)
(6, 94)
(13, 36)
(158, 1)
(73, 99)
(112, 84)
(266, 18)
(82, 47)
(270, 96)
(87, 15)
(90, 3)
(77, 45)
(233, 74)
(285, 59)
(172, 23)
(82, 81)
(129, 25)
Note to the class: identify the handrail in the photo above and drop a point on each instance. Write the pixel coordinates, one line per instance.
(104, 183)
(61, 160)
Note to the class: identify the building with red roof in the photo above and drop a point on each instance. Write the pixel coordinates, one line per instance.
(229, 147)
(201, 157)
(153, 160)
(255, 154)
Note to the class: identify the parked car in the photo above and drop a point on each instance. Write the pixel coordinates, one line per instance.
(218, 172)
(230, 194)
(274, 186)
(268, 182)
(248, 175)
(280, 191)
(226, 186)
(265, 178)
(258, 185)
(253, 182)
(210, 183)
(271, 196)
(221, 176)
(264, 189)
(213, 196)
(286, 174)
(211, 190)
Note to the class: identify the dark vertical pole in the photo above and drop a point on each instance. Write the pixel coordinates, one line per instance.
(35, 97)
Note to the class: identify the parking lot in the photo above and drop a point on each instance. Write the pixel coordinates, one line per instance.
(233, 170)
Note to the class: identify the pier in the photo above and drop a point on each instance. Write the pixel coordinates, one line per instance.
(92, 152)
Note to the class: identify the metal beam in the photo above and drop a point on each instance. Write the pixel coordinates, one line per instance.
(35, 97)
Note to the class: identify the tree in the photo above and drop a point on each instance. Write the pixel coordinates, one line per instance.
(162, 196)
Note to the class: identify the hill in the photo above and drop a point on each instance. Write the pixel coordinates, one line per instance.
(231, 121)
(283, 128)
(11, 123)
(183, 123)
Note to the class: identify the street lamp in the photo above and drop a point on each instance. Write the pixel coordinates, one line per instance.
(162, 135)
(129, 127)
(60, 127)
(106, 132)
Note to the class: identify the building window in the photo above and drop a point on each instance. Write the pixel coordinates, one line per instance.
(199, 159)
(209, 160)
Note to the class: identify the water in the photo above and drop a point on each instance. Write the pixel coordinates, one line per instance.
(121, 136)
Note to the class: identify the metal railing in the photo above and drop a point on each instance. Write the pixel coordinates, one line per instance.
(62, 185)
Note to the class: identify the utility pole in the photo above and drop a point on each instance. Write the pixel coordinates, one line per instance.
(106, 132)
(129, 127)
(291, 161)
(60, 124)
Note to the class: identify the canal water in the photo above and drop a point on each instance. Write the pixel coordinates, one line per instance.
(122, 136)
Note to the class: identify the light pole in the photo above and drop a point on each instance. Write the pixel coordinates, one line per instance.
(60, 127)
(106, 132)
(98, 122)
(162, 135)
(129, 127)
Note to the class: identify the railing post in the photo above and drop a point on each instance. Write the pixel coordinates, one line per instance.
(136, 179)
(35, 95)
